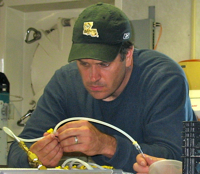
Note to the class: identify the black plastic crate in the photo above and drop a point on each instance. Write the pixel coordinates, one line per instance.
(191, 165)
(191, 147)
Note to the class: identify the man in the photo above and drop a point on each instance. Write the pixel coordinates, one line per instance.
(143, 92)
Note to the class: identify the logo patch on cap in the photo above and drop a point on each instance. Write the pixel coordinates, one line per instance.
(89, 31)
(126, 36)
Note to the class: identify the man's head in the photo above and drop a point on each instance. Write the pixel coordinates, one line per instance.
(103, 51)
(99, 33)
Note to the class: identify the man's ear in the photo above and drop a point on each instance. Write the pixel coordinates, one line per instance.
(129, 56)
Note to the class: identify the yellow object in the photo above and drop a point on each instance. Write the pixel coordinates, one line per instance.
(107, 167)
(33, 159)
(192, 71)
(134, 142)
(59, 167)
(50, 130)
(82, 167)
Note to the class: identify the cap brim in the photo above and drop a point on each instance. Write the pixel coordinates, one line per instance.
(102, 52)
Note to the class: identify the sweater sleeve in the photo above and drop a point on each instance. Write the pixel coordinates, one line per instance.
(167, 105)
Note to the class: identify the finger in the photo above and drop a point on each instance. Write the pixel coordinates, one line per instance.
(69, 134)
(84, 134)
(56, 159)
(75, 148)
(74, 140)
(49, 147)
(141, 160)
(83, 147)
(39, 145)
(140, 169)
(45, 134)
(150, 159)
(73, 124)
(72, 132)
(53, 157)
(71, 145)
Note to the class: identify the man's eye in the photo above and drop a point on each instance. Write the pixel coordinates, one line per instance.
(84, 63)
(104, 64)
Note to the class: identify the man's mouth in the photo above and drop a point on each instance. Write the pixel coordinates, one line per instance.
(96, 88)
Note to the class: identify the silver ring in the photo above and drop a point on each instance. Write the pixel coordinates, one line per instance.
(76, 140)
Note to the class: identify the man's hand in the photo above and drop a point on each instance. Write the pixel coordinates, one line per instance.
(142, 164)
(82, 136)
(48, 150)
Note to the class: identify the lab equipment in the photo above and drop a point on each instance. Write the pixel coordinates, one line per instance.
(4, 114)
(192, 70)
(195, 101)
(191, 147)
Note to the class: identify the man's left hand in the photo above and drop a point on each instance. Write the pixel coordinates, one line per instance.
(82, 136)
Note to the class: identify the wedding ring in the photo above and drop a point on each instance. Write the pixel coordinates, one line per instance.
(76, 140)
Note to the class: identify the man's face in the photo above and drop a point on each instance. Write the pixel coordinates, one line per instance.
(104, 80)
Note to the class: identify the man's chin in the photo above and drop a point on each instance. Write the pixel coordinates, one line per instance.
(98, 95)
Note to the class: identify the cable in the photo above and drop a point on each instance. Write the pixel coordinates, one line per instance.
(9, 132)
(18, 139)
(73, 160)
(78, 164)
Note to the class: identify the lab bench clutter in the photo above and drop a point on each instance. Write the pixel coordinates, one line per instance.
(4, 114)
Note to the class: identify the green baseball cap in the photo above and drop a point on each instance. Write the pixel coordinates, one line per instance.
(99, 33)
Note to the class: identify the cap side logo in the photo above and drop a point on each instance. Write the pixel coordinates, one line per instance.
(126, 36)
(88, 30)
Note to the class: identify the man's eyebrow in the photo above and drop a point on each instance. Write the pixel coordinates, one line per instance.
(80, 60)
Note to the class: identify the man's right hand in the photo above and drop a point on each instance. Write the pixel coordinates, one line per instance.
(142, 164)
(48, 150)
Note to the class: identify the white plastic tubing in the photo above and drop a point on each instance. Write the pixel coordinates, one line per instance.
(10, 133)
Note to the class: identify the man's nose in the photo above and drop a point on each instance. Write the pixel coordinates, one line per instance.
(94, 74)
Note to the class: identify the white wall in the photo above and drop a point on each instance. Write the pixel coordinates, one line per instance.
(40, 21)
